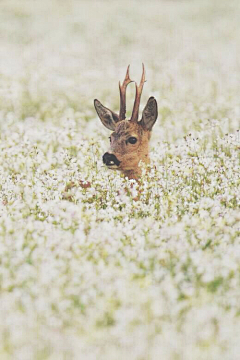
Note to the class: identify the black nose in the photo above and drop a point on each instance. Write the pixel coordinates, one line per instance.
(110, 159)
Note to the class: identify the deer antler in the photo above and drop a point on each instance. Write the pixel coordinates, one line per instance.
(139, 89)
(122, 89)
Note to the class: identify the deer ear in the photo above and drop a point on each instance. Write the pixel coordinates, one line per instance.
(150, 114)
(107, 116)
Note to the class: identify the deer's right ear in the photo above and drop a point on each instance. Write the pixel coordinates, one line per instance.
(107, 116)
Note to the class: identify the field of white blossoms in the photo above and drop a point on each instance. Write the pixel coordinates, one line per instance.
(92, 265)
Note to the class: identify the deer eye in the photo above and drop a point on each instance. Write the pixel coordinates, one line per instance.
(110, 139)
(132, 140)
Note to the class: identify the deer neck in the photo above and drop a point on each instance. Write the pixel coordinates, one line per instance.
(137, 172)
(132, 174)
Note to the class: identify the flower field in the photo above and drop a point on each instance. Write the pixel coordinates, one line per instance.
(93, 265)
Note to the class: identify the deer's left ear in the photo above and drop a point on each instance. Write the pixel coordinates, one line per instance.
(150, 114)
(107, 116)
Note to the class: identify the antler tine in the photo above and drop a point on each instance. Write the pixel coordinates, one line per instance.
(122, 89)
(139, 89)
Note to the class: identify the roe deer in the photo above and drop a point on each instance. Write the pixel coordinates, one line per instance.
(130, 138)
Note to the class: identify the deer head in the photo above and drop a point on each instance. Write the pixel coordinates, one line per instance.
(129, 141)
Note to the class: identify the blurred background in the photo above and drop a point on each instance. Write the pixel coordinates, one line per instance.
(87, 270)
(58, 54)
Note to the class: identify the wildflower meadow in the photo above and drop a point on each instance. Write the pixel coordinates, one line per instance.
(94, 265)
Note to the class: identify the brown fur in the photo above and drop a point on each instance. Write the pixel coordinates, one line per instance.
(129, 155)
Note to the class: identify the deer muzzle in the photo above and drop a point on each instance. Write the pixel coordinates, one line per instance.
(110, 160)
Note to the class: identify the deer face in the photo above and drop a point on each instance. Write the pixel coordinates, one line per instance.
(128, 145)
(129, 139)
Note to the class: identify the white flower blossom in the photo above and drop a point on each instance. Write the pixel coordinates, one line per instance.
(93, 265)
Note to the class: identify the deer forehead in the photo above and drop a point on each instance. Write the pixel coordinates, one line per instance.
(125, 128)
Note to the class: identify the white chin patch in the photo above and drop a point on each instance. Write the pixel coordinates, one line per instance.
(112, 166)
